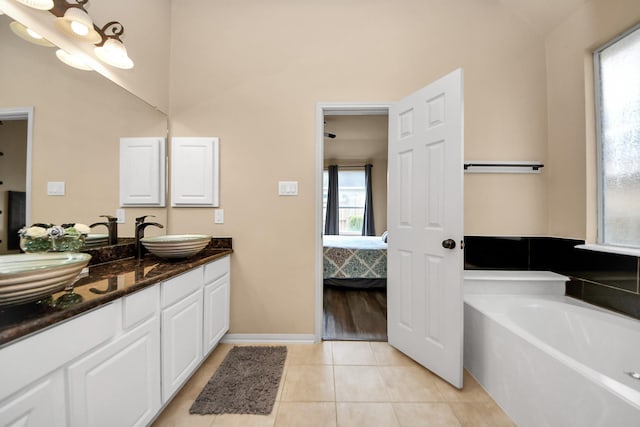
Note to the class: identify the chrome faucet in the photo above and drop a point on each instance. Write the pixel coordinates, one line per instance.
(140, 226)
(112, 228)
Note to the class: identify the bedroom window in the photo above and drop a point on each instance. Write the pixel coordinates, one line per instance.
(617, 86)
(352, 195)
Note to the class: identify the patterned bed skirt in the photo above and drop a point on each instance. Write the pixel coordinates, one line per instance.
(342, 263)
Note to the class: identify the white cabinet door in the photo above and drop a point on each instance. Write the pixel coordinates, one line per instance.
(216, 312)
(142, 171)
(40, 404)
(181, 342)
(119, 384)
(194, 171)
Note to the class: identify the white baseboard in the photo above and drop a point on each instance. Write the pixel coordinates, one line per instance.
(269, 338)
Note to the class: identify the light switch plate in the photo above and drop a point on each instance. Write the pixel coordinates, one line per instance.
(287, 188)
(121, 216)
(55, 188)
(218, 216)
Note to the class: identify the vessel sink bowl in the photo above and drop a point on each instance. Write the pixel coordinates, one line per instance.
(176, 245)
(95, 240)
(31, 277)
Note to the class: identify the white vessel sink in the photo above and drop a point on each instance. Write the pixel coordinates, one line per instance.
(31, 277)
(176, 245)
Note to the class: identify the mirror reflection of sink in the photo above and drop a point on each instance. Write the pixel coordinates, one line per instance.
(31, 277)
(93, 240)
(176, 245)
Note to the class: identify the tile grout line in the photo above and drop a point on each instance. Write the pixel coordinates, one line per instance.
(335, 392)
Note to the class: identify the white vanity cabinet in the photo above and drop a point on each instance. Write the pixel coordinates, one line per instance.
(194, 171)
(119, 364)
(119, 384)
(32, 375)
(217, 286)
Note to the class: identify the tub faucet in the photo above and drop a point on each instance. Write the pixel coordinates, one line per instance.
(140, 226)
(112, 228)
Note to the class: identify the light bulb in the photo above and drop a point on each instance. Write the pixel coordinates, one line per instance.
(77, 23)
(79, 28)
(33, 34)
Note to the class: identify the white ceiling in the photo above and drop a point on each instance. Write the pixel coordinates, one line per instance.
(543, 15)
(357, 137)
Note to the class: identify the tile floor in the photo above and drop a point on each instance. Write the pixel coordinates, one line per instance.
(348, 384)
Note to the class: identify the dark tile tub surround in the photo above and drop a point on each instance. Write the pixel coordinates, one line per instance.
(603, 279)
(106, 282)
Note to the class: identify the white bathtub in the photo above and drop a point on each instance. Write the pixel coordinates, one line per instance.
(547, 359)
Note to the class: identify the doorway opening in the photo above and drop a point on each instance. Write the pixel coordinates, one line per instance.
(352, 267)
(15, 178)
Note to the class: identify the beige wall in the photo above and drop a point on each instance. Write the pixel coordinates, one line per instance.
(571, 164)
(79, 118)
(251, 73)
(13, 165)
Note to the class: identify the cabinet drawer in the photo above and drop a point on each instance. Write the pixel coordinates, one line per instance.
(140, 306)
(216, 269)
(175, 289)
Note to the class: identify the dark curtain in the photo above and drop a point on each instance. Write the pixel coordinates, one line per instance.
(331, 221)
(368, 225)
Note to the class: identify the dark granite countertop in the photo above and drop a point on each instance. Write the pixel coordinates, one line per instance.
(105, 283)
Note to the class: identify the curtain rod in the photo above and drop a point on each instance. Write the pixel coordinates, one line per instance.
(349, 166)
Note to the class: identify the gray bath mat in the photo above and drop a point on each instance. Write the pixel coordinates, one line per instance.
(245, 383)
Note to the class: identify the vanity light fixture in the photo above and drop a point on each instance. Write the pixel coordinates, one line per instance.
(38, 4)
(72, 60)
(29, 35)
(76, 23)
(112, 50)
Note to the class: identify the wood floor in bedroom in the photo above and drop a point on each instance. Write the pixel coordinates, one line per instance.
(354, 314)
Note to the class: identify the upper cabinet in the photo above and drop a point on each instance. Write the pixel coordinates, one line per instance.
(142, 171)
(194, 172)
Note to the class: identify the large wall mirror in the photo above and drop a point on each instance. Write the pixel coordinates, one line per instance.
(77, 122)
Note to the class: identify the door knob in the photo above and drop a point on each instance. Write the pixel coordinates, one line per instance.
(449, 244)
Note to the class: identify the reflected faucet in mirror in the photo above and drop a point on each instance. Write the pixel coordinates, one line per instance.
(112, 228)
(140, 226)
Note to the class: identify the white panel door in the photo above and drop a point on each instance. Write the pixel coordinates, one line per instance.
(425, 214)
(142, 171)
(194, 171)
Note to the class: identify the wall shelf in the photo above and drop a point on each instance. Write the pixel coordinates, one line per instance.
(483, 166)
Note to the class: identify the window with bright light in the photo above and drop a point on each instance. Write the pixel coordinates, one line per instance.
(351, 194)
(617, 84)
